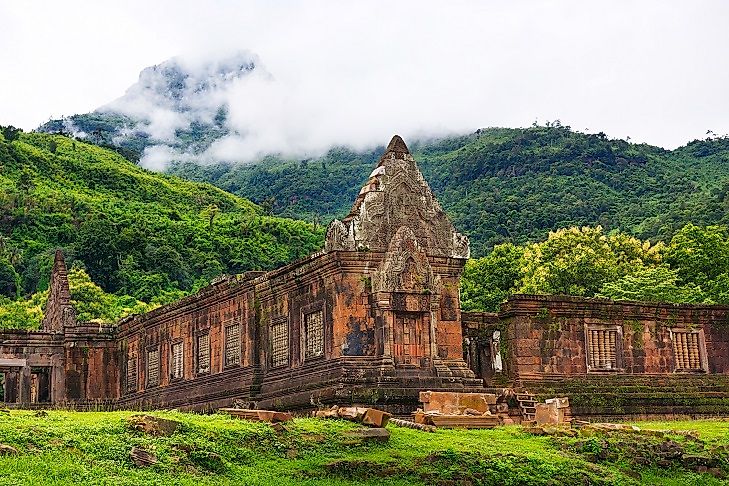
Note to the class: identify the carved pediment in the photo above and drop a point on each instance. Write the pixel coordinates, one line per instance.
(405, 267)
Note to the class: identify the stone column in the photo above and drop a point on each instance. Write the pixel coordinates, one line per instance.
(24, 385)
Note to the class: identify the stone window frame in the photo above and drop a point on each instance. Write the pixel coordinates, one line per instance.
(703, 356)
(312, 308)
(127, 389)
(149, 349)
(173, 343)
(196, 347)
(226, 325)
(619, 365)
(279, 321)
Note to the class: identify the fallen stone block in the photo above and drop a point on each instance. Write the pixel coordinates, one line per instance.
(454, 403)
(327, 413)
(270, 416)
(546, 414)
(462, 421)
(374, 434)
(355, 414)
(6, 450)
(142, 458)
(376, 418)
(155, 426)
(361, 415)
(559, 402)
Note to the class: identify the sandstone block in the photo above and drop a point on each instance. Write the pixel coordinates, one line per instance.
(375, 434)
(376, 418)
(142, 458)
(150, 425)
(6, 450)
(456, 403)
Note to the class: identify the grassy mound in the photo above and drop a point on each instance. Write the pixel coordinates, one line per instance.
(93, 448)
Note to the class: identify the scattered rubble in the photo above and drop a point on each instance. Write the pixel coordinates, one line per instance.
(362, 415)
(270, 416)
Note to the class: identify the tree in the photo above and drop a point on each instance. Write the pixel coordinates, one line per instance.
(579, 261)
(652, 284)
(9, 279)
(699, 254)
(211, 212)
(488, 281)
(11, 133)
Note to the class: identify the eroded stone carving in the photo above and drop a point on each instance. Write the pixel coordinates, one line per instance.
(461, 246)
(339, 237)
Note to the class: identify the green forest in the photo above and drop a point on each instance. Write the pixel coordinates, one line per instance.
(133, 238)
(515, 185)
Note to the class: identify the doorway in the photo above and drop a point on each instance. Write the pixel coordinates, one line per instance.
(408, 339)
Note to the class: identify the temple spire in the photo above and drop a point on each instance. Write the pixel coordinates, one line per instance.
(397, 145)
(395, 196)
(59, 312)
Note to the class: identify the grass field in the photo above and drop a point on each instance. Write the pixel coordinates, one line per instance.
(93, 448)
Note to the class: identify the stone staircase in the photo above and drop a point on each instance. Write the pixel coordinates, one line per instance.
(527, 405)
(635, 396)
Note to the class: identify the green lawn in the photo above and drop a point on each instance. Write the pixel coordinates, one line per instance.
(93, 448)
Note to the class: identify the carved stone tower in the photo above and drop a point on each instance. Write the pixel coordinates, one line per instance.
(59, 312)
(414, 287)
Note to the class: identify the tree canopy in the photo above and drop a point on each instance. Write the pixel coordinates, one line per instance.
(587, 262)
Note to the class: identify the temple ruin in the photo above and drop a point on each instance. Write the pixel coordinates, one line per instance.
(372, 319)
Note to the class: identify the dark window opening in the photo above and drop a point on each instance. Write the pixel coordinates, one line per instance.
(40, 385)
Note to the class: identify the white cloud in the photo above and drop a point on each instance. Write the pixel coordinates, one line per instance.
(356, 72)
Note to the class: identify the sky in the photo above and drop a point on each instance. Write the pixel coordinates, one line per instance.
(355, 72)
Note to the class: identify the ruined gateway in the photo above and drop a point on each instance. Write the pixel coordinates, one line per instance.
(372, 319)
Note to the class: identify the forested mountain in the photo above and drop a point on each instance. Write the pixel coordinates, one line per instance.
(510, 185)
(147, 235)
(497, 184)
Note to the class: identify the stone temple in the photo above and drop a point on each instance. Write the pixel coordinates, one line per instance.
(372, 319)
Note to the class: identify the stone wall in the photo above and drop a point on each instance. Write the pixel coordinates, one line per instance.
(668, 359)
